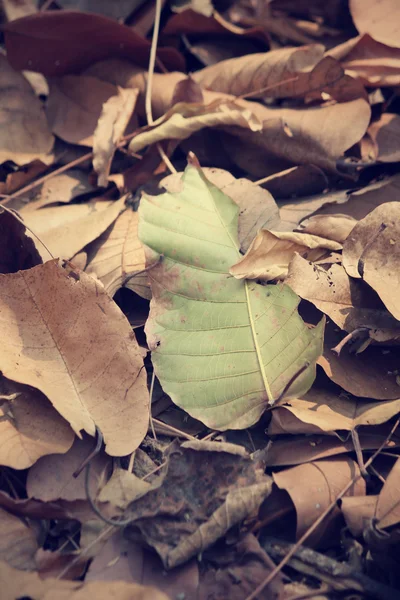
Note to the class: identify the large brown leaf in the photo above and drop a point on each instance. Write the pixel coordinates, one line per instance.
(74, 106)
(379, 18)
(29, 426)
(63, 334)
(118, 254)
(17, 584)
(62, 42)
(25, 134)
(308, 73)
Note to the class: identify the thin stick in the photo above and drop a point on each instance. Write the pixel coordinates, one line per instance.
(318, 521)
(153, 378)
(16, 216)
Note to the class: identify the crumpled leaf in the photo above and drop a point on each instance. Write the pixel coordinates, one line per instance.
(327, 410)
(115, 116)
(379, 19)
(32, 45)
(117, 255)
(335, 227)
(67, 229)
(18, 543)
(63, 335)
(372, 251)
(197, 306)
(29, 426)
(74, 106)
(257, 207)
(308, 73)
(270, 253)
(325, 479)
(350, 304)
(25, 134)
(51, 478)
(180, 127)
(17, 584)
(207, 488)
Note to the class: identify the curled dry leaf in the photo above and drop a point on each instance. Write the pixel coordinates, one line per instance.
(74, 107)
(224, 380)
(371, 374)
(323, 479)
(207, 488)
(326, 410)
(289, 72)
(357, 511)
(25, 134)
(334, 227)
(257, 207)
(372, 251)
(379, 19)
(51, 478)
(349, 303)
(293, 213)
(123, 488)
(18, 543)
(32, 45)
(64, 335)
(117, 257)
(29, 426)
(375, 64)
(65, 230)
(179, 127)
(16, 584)
(270, 253)
(115, 116)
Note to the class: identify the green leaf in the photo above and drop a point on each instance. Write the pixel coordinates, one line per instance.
(222, 348)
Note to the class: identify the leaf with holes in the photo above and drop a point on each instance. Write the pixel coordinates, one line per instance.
(223, 348)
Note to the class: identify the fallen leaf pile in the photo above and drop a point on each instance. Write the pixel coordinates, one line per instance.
(199, 300)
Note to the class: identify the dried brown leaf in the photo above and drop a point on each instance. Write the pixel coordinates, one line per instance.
(74, 107)
(350, 304)
(207, 488)
(67, 229)
(303, 180)
(51, 478)
(17, 250)
(372, 252)
(31, 43)
(61, 188)
(29, 426)
(335, 227)
(270, 253)
(326, 410)
(117, 255)
(292, 213)
(385, 133)
(388, 503)
(16, 584)
(17, 543)
(115, 116)
(123, 488)
(375, 64)
(64, 335)
(371, 374)
(308, 73)
(379, 19)
(357, 511)
(313, 486)
(25, 134)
